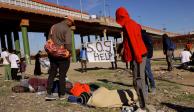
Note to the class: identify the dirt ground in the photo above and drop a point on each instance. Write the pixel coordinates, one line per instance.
(175, 90)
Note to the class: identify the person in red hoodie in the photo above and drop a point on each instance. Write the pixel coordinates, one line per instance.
(134, 50)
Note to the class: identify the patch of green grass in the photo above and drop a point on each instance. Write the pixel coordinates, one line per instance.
(5, 91)
(64, 103)
(184, 97)
(168, 85)
(102, 72)
(158, 62)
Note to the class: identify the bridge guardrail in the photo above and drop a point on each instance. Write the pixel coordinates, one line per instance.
(43, 7)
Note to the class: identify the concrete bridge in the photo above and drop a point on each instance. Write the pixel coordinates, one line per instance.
(39, 16)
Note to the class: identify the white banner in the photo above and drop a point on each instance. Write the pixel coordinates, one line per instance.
(100, 51)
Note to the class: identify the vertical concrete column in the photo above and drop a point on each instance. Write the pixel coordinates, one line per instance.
(89, 38)
(24, 24)
(82, 40)
(107, 37)
(73, 52)
(46, 35)
(100, 38)
(122, 36)
(9, 40)
(17, 43)
(104, 33)
(115, 39)
(96, 37)
(2, 36)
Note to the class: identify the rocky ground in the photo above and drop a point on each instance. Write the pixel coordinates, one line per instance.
(175, 90)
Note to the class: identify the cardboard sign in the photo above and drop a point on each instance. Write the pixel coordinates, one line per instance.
(100, 51)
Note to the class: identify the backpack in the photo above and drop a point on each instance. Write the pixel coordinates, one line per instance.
(54, 50)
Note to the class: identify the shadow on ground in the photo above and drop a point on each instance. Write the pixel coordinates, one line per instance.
(178, 108)
(119, 83)
(98, 68)
(174, 82)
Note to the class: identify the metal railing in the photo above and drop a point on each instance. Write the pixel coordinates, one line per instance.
(43, 7)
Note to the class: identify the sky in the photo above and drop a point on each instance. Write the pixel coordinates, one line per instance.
(174, 15)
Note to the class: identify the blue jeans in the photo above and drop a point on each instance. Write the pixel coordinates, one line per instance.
(149, 74)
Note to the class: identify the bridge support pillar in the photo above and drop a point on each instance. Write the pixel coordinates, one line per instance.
(121, 36)
(2, 36)
(9, 40)
(17, 43)
(82, 40)
(73, 52)
(100, 38)
(24, 24)
(46, 35)
(89, 38)
(115, 38)
(96, 37)
(104, 33)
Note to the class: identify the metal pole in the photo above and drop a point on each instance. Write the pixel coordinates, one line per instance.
(81, 8)
(104, 9)
(57, 2)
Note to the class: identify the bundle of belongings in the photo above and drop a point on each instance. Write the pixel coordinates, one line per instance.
(102, 97)
(38, 85)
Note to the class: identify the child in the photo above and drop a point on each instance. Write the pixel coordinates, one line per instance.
(22, 67)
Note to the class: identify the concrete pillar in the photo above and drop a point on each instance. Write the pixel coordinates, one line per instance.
(82, 40)
(89, 38)
(121, 36)
(2, 36)
(96, 37)
(100, 38)
(17, 43)
(104, 34)
(46, 35)
(24, 24)
(73, 52)
(9, 40)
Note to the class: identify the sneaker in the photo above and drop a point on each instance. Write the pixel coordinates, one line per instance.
(62, 97)
(153, 91)
(50, 97)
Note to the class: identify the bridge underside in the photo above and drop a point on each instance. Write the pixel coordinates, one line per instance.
(10, 21)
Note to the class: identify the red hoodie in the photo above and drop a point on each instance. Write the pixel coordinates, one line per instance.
(135, 47)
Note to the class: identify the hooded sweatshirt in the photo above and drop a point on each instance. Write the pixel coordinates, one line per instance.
(134, 47)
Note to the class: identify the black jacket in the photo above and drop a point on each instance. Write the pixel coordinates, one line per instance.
(148, 43)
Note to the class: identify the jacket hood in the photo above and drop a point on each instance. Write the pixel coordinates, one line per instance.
(122, 16)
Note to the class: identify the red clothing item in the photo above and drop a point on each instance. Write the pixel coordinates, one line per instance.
(133, 44)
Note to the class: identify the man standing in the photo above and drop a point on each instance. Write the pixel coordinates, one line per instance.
(134, 50)
(148, 71)
(168, 49)
(7, 69)
(83, 59)
(60, 34)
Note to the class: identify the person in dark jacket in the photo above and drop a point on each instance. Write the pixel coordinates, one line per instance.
(168, 49)
(37, 69)
(149, 45)
(61, 35)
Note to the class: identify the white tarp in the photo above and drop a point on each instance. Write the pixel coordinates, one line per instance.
(100, 51)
